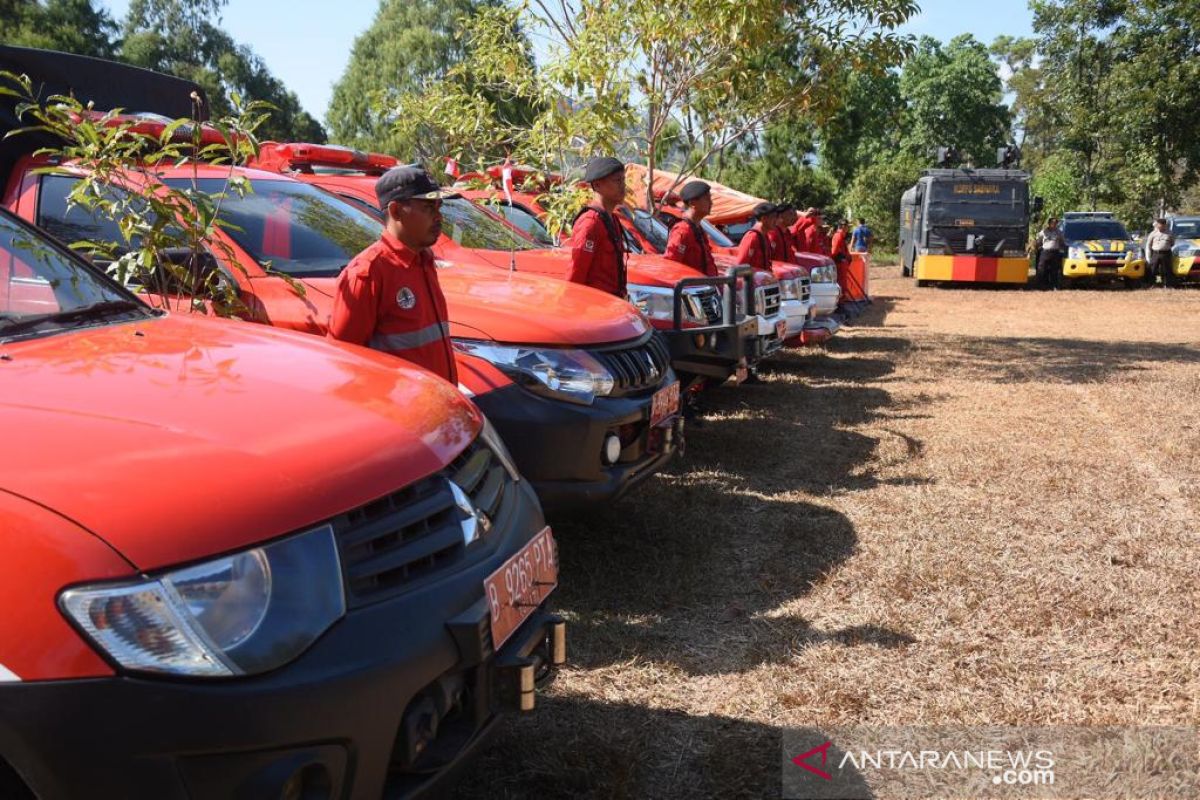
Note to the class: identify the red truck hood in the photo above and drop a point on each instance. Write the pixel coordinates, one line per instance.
(514, 308)
(152, 434)
(645, 270)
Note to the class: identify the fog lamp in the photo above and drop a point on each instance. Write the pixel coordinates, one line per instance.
(612, 448)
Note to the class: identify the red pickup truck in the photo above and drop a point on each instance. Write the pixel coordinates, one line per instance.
(238, 561)
(705, 339)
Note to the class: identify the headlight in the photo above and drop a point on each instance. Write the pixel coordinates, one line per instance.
(240, 614)
(565, 374)
(824, 274)
(1075, 252)
(658, 303)
(789, 289)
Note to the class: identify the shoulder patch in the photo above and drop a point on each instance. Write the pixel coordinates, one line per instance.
(589, 245)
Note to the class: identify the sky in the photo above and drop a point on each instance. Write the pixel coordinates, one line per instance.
(306, 43)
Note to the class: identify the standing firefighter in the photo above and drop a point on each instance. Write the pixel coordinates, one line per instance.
(597, 245)
(688, 243)
(388, 298)
(783, 245)
(1051, 249)
(1159, 245)
(755, 247)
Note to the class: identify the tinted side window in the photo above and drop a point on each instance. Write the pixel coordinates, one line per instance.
(526, 221)
(76, 224)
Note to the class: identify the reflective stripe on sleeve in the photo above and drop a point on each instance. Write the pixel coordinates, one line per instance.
(407, 341)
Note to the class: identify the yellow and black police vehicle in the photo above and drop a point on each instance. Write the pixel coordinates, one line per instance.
(1100, 248)
(1185, 258)
(966, 225)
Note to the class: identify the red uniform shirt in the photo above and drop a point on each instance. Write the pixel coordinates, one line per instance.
(689, 245)
(839, 247)
(816, 241)
(781, 244)
(755, 249)
(388, 298)
(598, 252)
(800, 233)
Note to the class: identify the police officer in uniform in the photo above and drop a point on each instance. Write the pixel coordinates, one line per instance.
(755, 247)
(688, 243)
(1051, 249)
(597, 243)
(1159, 245)
(388, 298)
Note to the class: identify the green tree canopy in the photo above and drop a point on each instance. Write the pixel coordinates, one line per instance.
(180, 37)
(409, 43)
(72, 26)
(953, 95)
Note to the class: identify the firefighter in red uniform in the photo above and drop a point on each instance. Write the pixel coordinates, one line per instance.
(755, 247)
(388, 298)
(688, 243)
(783, 246)
(597, 244)
(800, 229)
(816, 240)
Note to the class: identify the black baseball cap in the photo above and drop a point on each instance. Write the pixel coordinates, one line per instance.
(601, 167)
(694, 190)
(406, 182)
(765, 210)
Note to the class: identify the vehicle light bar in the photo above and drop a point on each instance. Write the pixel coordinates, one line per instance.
(304, 156)
(153, 125)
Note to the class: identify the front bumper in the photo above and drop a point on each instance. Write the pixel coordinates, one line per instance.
(559, 446)
(796, 312)
(1186, 266)
(345, 720)
(817, 331)
(1089, 268)
(825, 297)
(714, 351)
(767, 340)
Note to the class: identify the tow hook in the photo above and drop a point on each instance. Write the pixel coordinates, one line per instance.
(532, 666)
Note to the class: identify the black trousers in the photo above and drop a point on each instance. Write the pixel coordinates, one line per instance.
(1049, 268)
(1160, 265)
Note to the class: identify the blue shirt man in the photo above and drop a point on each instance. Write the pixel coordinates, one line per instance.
(860, 237)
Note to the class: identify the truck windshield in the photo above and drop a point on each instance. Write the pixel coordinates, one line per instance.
(291, 227)
(472, 227)
(1089, 229)
(1186, 228)
(44, 289)
(977, 203)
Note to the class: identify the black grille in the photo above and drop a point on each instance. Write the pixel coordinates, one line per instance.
(993, 243)
(768, 300)
(636, 367)
(710, 303)
(398, 541)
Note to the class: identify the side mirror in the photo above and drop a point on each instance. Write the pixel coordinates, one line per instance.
(1037, 206)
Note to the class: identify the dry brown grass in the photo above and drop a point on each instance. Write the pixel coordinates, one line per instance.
(976, 506)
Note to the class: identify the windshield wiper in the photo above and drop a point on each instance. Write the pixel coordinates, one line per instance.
(71, 317)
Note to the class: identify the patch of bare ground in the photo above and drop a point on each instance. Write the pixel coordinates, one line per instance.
(975, 506)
